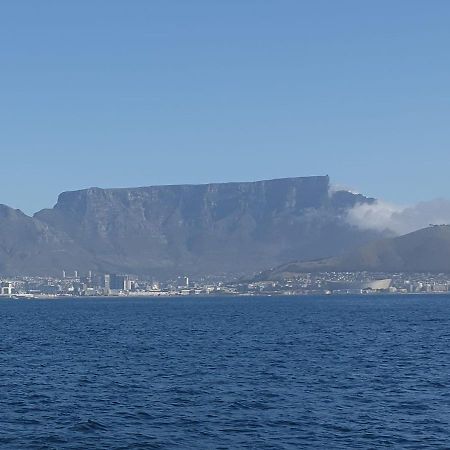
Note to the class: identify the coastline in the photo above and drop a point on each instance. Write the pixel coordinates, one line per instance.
(171, 296)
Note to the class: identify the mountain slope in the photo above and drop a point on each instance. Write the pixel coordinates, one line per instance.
(28, 246)
(426, 250)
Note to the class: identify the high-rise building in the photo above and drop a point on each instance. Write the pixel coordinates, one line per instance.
(6, 288)
(183, 282)
(120, 282)
(107, 281)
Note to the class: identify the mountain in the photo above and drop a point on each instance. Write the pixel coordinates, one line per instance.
(426, 250)
(211, 229)
(28, 246)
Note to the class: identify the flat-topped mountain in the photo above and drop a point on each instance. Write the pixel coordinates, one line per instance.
(426, 250)
(211, 229)
(207, 229)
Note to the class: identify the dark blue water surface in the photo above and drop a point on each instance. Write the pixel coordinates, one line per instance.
(225, 373)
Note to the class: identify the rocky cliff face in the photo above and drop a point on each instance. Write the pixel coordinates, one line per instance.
(229, 228)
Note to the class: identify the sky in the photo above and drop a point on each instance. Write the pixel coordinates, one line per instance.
(115, 93)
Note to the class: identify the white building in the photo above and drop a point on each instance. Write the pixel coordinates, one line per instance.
(6, 288)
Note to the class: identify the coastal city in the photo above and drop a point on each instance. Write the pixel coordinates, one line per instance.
(122, 285)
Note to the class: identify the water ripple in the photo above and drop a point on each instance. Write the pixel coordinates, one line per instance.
(259, 373)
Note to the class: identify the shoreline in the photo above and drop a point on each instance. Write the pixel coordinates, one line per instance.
(212, 296)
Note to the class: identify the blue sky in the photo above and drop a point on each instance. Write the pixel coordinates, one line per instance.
(126, 93)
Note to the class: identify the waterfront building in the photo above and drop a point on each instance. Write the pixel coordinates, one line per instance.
(120, 282)
(6, 288)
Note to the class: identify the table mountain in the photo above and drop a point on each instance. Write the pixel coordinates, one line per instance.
(207, 229)
(211, 229)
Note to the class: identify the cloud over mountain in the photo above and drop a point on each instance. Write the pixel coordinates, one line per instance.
(383, 216)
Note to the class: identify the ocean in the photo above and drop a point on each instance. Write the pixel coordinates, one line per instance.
(225, 373)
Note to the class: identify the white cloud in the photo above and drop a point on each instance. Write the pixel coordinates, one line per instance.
(385, 216)
(335, 187)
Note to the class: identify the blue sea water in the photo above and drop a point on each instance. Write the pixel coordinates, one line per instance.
(225, 373)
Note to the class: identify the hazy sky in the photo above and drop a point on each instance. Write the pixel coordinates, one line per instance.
(125, 93)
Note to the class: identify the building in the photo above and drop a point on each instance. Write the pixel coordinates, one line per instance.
(372, 285)
(440, 287)
(6, 288)
(119, 282)
(183, 282)
(107, 281)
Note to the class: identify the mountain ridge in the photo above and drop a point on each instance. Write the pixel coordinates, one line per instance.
(425, 250)
(209, 229)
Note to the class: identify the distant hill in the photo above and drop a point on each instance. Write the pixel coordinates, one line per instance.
(212, 229)
(28, 246)
(426, 250)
